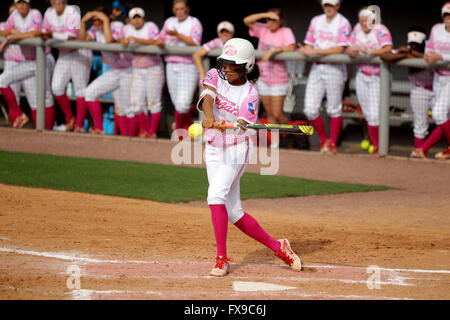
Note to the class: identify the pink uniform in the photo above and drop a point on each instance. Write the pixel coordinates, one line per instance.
(191, 27)
(32, 22)
(439, 42)
(64, 26)
(232, 103)
(12, 52)
(272, 72)
(213, 44)
(377, 38)
(324, 35)
(149, 31)
(116, 60)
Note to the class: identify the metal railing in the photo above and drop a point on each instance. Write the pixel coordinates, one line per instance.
(337, 58)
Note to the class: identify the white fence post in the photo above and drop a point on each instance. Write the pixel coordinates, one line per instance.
(41, 66)
(385, 88)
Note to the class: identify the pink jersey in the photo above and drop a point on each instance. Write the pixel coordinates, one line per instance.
(116, 60)
(272, 72)
(422, 78)
(324, 35)
(32, 22)
(439, 42)
(12, 52)
(191, 27)
(232, 103)
(377, 38)
(213, 44)
(149, 31)
(64, 26)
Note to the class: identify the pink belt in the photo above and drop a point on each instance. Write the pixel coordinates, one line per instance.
(368, 73)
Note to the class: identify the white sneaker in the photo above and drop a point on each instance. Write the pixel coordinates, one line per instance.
(288, 256)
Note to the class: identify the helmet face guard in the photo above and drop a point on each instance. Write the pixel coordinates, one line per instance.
(220, 67)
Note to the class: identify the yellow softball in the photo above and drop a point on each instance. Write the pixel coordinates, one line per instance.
(195, 130)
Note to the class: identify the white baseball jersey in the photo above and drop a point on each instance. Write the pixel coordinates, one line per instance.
(149, 31)
(439, 42)
(190, 27)
(11, 52)
(64, 26)
(116, 60)
(324, 35)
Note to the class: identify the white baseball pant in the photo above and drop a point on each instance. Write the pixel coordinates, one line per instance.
(146, 89)
(441, 107)
(75, 65)
(109, 82)
(420, 100)
(25, 73)
(324, 79)
(225, 167)
(16, 87)
(182, 81)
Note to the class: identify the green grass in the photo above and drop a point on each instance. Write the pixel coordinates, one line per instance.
(156, 182)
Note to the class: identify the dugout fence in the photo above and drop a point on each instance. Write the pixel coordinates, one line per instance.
(400, 87)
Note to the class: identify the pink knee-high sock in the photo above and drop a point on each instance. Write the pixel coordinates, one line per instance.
(251, 227)
(180, 119)
(49, 117)
(188, 120)
(33, 116)
(81, 112)
(335, 129)
(132, 126)
(219, 217)
(122, 124)
(445, 127)
(432, 139)
(64, 103)
(144, 122)
(373, 133)
(95, 108)
(418, 142)
(319, 126)
(155, 119)
(14, 108)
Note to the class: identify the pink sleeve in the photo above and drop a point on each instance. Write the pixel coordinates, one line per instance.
(344, 33)
(46, 23)
(211, 78)
(197, 32)
(117, 30)
(352, 38)
(257, 29)
(430, 43)
(384, 36)
(73, 24)
(92, 32)
(249, 108)
(36, 21)
(309, 39)
(153, 31)
(163, 33)
(213, 44)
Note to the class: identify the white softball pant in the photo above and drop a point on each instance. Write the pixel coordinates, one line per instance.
(182, 81)
(16, 87)
(74, 65)
(109, 82)
(420, 100)
(441, 107)
(324, 79)
(25, 73)
(225, 167)
(146, 89)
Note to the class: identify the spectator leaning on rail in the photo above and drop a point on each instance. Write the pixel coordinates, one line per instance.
(148, 73)
(119, 75)
(421, 95)
(438, 49)
(327, 34)
(23, 23)
(369, 38)
(62, 22)
(274, 38)
(225, 31)
(182, 76)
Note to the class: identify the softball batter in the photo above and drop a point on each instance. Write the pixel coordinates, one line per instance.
(61, 22)
(148, 73)
(371, 41)
(327, 34)
(23, 23)
(229, 96)
(181, 73)
(119, 76)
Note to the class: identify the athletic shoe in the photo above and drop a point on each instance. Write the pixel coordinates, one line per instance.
(70, 124)
(332, 147)
(418, 153)
(78, 129)
(21, 121)
(324, 146)
(142, 134)
(150, 135)
(288, 256)
(97, 131)
(444, 155)
(222, 266)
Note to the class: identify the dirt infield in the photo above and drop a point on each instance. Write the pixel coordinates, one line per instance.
(67, 245)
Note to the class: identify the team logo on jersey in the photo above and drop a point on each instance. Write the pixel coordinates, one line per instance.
(381, 34)
(251, 108)
(230, 50)
(208, 76)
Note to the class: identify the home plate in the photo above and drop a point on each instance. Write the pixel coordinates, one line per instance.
(258, 286)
